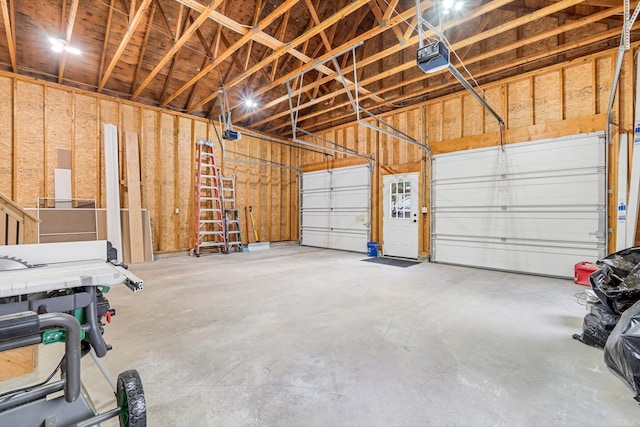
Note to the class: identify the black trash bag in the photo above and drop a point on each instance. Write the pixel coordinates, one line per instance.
(597, 326)
(617, 282)
(622, 351)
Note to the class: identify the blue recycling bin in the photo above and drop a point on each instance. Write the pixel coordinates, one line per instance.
(372, 249)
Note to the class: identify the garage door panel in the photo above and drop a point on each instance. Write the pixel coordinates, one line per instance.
(335, 208)
(527, 192)
(315, 200)
(357, 199)
(565, 226)
(317, 219)
(536, 207)
(536, 159)
(536, 259)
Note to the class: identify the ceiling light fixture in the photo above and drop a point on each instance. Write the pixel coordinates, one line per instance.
(250, 103)
(60, 44)
(449, 6)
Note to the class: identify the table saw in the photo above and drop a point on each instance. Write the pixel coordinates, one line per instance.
(54, 293)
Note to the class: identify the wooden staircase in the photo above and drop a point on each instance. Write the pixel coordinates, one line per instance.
(17, 226)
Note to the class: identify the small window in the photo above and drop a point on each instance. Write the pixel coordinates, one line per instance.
(400, 200)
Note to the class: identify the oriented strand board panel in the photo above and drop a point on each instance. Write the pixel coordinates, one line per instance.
(85, 148)
(185, 172)
(493, 97)
(6, 136)
(547, 99)
(473, 116)
(58, 114)
(30, 149)
(149, 161)
(604, 81)
(519, 103)
(434, 122)
(579, 98)
(168, 182)
(452, 120)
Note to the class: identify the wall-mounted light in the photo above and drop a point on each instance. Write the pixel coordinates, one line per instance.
(60, 44)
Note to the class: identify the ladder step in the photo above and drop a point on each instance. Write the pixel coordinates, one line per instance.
(210, 221)
(209, 233)
(211, 244)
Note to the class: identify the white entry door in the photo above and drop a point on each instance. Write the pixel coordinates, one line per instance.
(400, 222)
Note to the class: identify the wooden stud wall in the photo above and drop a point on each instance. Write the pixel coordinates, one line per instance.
(38, 118)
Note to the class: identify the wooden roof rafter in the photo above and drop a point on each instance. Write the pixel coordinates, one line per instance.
(8, 17)
(69, 32)
(309, 65)
(143, 49)
(131, 29)
(183, 38)
(488, 7)
(599, 37)
(176, 56)
(277, 12)
(511, 47)
(254, 22)
(290, 47)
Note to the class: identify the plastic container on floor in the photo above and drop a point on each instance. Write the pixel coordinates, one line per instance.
(372, 249)
(582, 271)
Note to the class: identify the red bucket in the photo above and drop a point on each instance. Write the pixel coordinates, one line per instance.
(582, 271)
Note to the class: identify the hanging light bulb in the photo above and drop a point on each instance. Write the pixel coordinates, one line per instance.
(60, 44)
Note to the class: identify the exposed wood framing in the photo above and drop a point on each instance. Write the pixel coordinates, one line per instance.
(131, 29)
(71, 22)
(9, 28)
(177, 46)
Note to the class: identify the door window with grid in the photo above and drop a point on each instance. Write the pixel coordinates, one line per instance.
(400, 199)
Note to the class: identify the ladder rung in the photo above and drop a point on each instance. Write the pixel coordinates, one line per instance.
(211, 244)
(209, 233)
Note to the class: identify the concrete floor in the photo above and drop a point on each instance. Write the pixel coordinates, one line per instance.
(298, 336)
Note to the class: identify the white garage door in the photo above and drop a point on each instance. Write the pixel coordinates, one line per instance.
(537, 207)
(335, 208)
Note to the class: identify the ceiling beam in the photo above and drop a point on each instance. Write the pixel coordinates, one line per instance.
(7, 17)
(177, 46)
(143, 49)
(511, 47)
(70, 23)
(314, 17)
(254, 22)
(378, 14)
(504, 67)
(364, 36)
(107, 33)
(289, 47)
(131, 29)
(165, 21)
(288, 4)
(176, 57)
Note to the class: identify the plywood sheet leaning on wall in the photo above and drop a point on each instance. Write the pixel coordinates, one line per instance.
(136, 248)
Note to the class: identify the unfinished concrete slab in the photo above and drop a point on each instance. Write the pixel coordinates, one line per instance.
(298, 336)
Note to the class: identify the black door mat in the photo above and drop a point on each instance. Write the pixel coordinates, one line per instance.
(392, 261)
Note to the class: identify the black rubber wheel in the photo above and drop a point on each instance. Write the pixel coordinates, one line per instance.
(133, 408)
